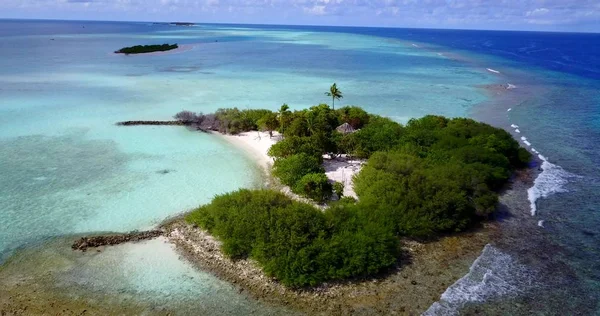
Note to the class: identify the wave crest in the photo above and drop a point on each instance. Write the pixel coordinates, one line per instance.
(552, 180)
(493, 274)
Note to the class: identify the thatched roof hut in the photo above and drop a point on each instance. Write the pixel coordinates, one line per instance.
(345, 129)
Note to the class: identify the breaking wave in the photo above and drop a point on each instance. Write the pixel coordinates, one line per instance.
(552, 180)
(494, 274)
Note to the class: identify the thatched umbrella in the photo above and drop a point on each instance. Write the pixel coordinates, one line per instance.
(345, 129)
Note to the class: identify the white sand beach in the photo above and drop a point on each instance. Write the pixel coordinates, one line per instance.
(342, 169)
(257, 144)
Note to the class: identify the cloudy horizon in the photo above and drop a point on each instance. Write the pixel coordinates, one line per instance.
(528, 15)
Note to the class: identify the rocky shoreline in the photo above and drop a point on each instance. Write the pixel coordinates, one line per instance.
(425, 273)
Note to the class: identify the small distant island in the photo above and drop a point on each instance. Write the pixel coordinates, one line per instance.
(182, 23)
(144, 49)
(175, 23)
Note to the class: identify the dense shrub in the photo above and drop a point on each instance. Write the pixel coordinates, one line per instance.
(379, 134)
(440, 177)
(353, 115)
(268, 122)
(291, 169)
(314, 186)
(235, 121)
(419, 201)
(295, 242)
(293, 145)
(338, 189)
(318, 119)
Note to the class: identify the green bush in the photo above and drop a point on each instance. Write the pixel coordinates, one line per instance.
(295, 242)
(293, 145)
(314, 186)
(268, 122)
(235, 121)
(379, 134)
(338, 189)
(291, 169)
(353, 115)
(440, 177)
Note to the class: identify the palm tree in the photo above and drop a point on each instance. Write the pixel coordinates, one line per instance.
(334, 93)
(283, 112)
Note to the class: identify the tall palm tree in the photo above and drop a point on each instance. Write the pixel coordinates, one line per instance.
(283, 112)
(334, 93)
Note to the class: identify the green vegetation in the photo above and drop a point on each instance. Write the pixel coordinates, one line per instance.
(441, 176)
(378, 134)
(235, 121)
(291, 169)
(295, 242)
(314, 186)
(338, 189)
(142, 49)
(433, 176)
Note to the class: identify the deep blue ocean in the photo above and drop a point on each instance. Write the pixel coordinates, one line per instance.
(61, 89)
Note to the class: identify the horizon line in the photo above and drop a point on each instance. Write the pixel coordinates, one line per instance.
(307, 25)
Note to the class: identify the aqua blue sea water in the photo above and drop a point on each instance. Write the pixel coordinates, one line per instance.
(66, 169)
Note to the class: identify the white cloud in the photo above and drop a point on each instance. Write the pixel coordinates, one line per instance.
(537, 12)
(412, 13)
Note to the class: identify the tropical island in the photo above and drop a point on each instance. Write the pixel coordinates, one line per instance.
(182, 23)
(143, 49)
(427, 180)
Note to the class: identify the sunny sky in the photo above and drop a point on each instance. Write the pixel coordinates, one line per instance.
(550, 15)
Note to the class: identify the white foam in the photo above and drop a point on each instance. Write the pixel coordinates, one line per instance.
(493, 70)
(510, 86)
(415, 45)
(552, 180)
(517, 131)
(525, 141)
(39, 178)
(509, 109)
(541, 223)
(494, 274)
(514, 126)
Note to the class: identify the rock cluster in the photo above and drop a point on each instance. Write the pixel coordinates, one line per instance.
(108, 240)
